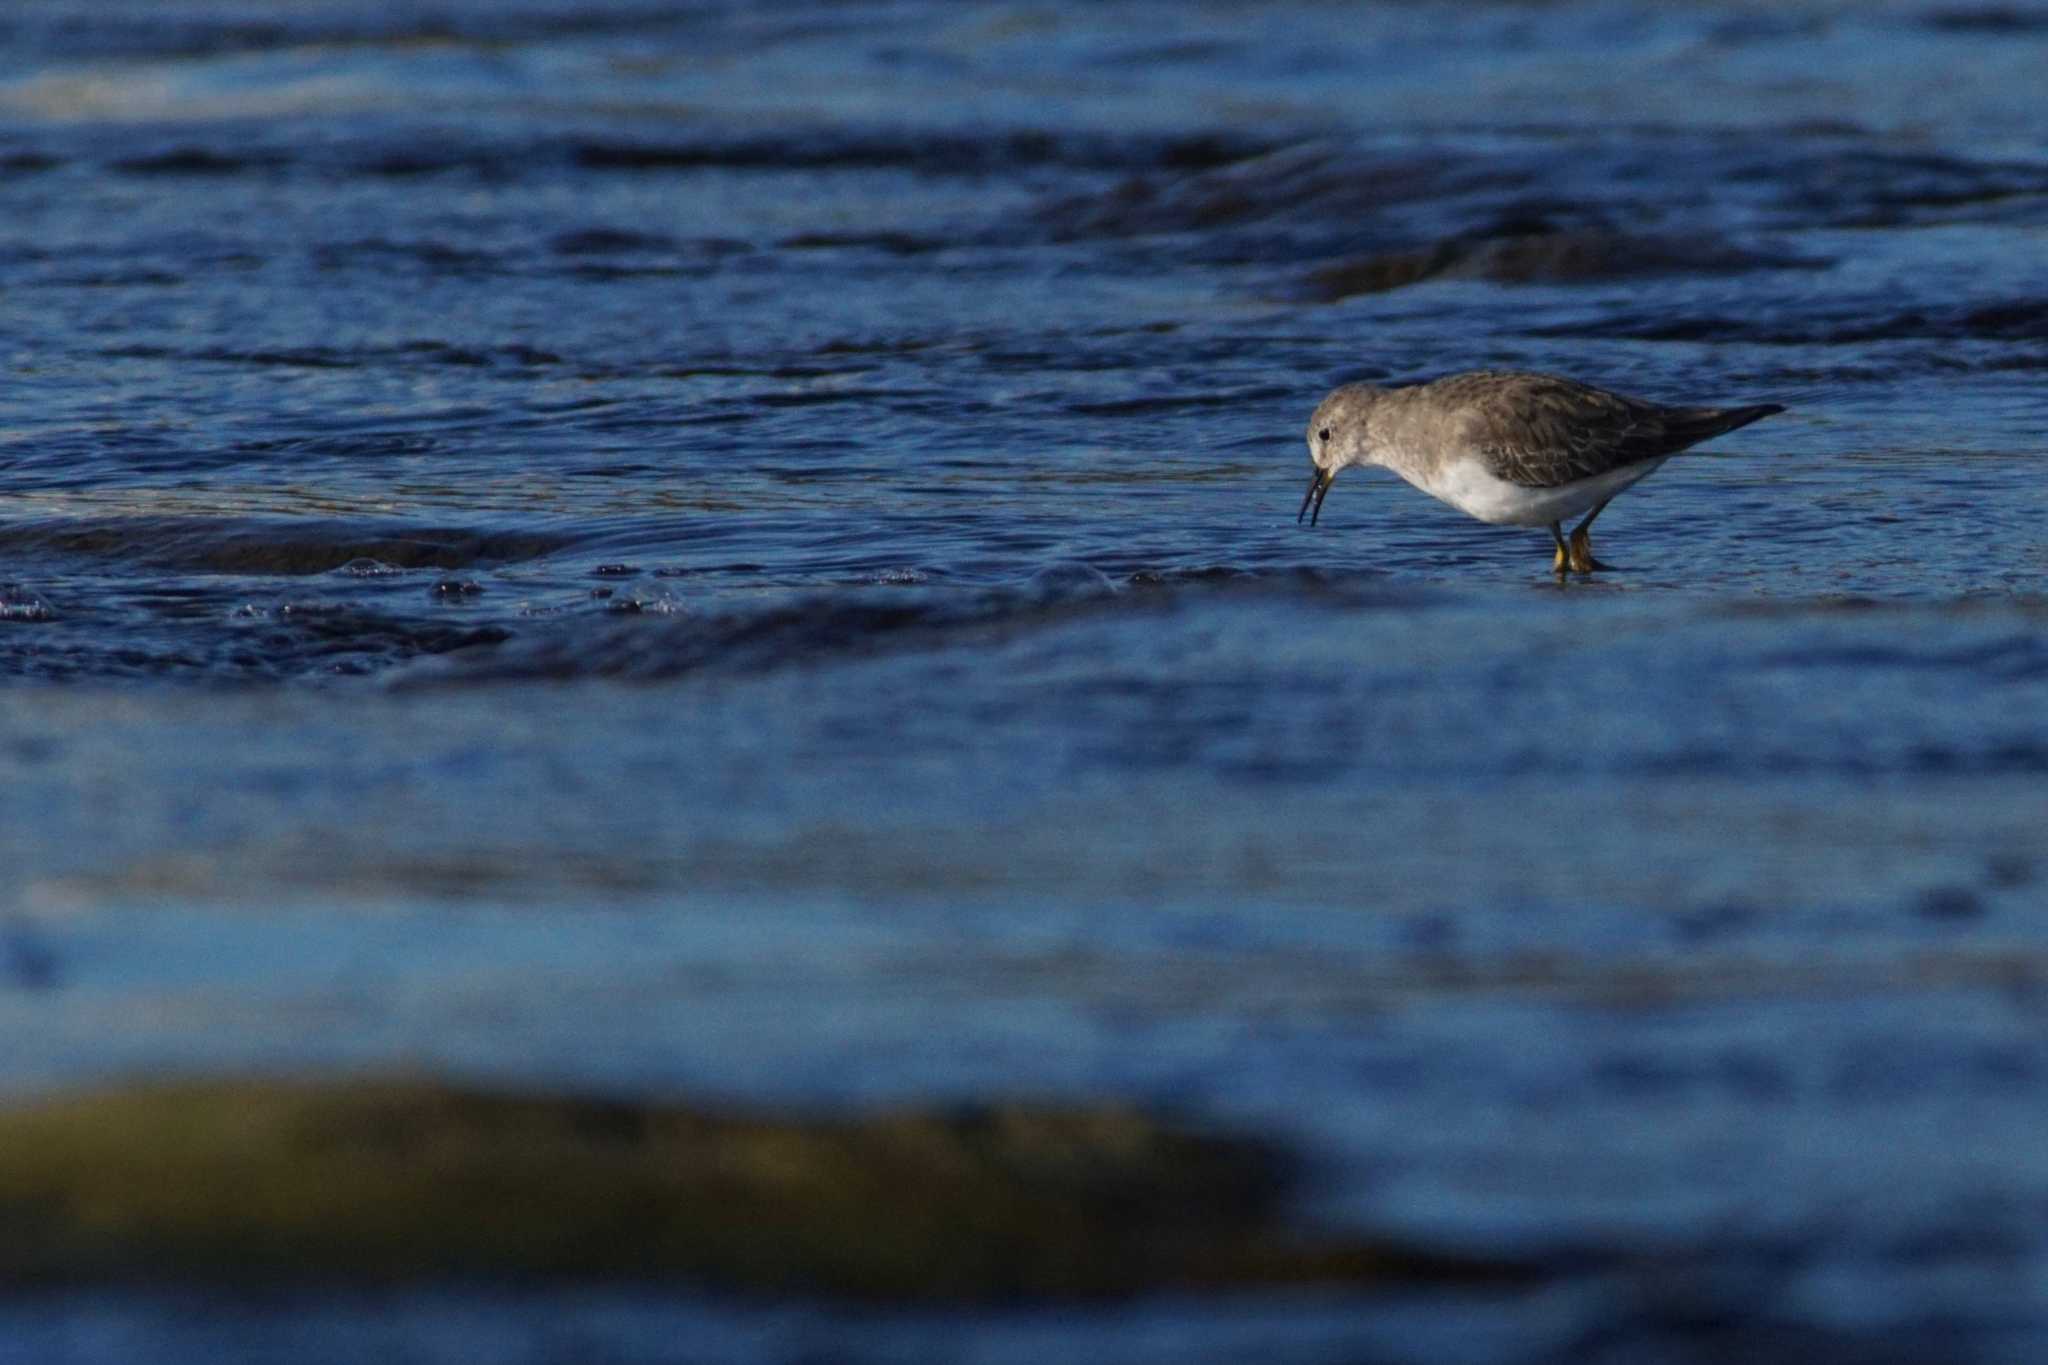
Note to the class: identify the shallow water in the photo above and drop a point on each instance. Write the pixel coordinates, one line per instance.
(751, 552)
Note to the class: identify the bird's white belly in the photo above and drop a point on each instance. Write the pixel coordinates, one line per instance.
(1466, 484)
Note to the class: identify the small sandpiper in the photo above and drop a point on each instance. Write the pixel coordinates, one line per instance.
(1508, 447)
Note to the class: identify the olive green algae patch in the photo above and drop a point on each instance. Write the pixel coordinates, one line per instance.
(254, 1181)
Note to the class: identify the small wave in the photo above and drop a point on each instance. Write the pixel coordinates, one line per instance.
(2018, 320)
(805, 398)
(1523, 212)
(621, 251)
(1999, 20)
(298, 638)
(2014, 658)
(378, 252)
(127, 33)
(1863, 189)
(293, 357)
(256, 644)
(1068, 583)
(510, 356)
(27, 163)
(352, 444)
(140, 277)
(891, 611)
(1179, 402)
(822, 147)
(894, 243)
(1207, 574)
(899, 345)
(921, 151)
(791, 632)
(254, 546)
(632, 646)
(609, 242)
(198, 161)
(1547, 257)
(1312, 180)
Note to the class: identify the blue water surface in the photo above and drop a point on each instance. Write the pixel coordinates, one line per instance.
(748, 552)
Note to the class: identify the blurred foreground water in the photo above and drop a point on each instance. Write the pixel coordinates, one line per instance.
(749, 554)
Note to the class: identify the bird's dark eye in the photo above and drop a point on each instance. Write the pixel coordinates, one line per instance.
(1323, 435)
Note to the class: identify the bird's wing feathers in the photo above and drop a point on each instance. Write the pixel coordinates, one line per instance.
(1538, 431)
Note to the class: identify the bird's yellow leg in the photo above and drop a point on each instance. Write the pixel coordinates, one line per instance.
(1563, 560)
(1579, 554)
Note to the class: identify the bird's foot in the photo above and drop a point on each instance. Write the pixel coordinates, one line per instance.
(1580, 560)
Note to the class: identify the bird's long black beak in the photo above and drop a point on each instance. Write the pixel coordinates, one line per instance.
(1319, 481)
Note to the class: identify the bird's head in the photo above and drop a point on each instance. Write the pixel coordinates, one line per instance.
(1339, 434)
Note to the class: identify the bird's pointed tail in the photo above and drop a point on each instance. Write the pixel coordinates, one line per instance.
(1702, 423)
